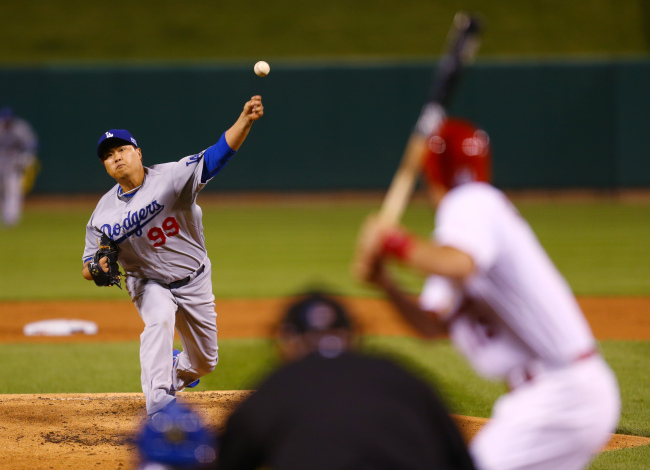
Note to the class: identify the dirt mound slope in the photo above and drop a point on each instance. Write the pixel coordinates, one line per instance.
(98, 430)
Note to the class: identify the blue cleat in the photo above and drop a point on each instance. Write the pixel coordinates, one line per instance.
(172, 390)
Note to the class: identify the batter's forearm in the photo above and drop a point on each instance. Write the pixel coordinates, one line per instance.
(444, 261)
(425, 323)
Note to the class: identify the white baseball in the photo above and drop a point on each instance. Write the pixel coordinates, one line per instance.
(262, 68)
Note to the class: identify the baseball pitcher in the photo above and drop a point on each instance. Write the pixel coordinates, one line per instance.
(150, 224)
(508, 310)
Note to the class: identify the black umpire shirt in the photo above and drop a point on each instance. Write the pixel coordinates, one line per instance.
(350, 412)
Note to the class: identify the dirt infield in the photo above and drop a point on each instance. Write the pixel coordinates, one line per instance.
(622, 318)
(96, 431)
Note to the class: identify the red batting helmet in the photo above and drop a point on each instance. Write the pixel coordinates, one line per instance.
(458, 152)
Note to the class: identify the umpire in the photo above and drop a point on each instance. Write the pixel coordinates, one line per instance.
(331, 408)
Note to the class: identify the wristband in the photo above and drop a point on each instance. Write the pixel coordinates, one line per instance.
(397, 244)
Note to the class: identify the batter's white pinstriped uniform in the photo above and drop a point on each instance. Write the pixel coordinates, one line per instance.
(515, 318)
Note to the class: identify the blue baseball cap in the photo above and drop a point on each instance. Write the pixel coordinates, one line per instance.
(114, 137)
(175, 437)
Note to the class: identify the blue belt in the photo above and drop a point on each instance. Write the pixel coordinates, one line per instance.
(186, 281)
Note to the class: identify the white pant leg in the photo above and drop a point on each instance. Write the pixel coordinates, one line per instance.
(13, 197)
(558, 421)
(196, 322)
(157, 309)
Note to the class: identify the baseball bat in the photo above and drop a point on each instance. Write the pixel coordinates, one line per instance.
(460, 49)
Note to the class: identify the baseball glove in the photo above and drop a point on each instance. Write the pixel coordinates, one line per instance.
(107, 249)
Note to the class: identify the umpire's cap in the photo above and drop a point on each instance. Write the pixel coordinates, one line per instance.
(114, 137)
(316, 311)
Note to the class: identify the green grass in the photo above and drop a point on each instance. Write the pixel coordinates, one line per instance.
(71, 368)
(630, 361)
(45, 30)
(115, 367)
(263, 250)
(597, 246)
(439, 363)
(626, 459)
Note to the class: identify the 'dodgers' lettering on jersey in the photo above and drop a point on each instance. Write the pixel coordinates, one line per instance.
(133, 223)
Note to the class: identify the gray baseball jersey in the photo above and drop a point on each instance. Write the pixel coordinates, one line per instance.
(159, 230)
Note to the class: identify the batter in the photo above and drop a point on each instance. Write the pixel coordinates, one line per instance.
(152, 217)
(508, 310)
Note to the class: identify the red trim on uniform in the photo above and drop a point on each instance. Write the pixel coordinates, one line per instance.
(398, 244)
(586, 355)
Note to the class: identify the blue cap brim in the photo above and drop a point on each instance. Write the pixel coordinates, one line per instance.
(110, 143)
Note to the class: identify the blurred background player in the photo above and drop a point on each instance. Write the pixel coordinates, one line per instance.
(176, 439)
(18, 163)
(331, 408)
(507, 308)
(151, 215)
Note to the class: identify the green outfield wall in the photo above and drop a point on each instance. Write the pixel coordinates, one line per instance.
(340, 125)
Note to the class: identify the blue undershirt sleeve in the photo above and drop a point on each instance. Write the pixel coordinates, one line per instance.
(215, 158)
